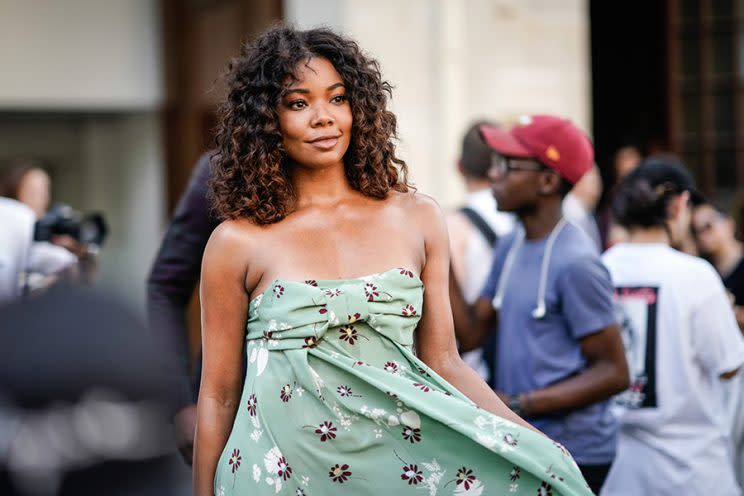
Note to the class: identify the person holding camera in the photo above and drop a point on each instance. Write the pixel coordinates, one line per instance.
(21, 256)
(59, 226)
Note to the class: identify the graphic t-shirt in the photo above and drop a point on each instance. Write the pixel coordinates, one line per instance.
(531, 354)
(680, 336)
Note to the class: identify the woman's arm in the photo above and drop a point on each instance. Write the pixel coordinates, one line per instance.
(435, 338)
(224, 303)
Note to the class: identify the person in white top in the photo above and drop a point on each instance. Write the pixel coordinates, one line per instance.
(580, 203)
(20, 255)
(681, 342)
(475, 228)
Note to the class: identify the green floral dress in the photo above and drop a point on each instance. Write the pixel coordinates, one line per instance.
(336, 402)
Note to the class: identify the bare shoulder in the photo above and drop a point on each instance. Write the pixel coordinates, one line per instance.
(422, 212)
(418, 205)
(233, 242)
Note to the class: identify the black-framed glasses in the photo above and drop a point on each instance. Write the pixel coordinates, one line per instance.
(503, 165)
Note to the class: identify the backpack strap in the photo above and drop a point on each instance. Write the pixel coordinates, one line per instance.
(480, 224)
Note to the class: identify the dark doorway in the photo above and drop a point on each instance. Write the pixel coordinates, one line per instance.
(629, 78)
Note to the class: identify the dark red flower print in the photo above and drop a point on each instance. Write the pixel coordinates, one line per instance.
(552, 474)
(510, 440)
(412, 474)
(312, 282)
(345, 391)
(285, 393)
(235, 460)
(268, 334)
(310, 342)
(332, 293)
(391, 367)
(371, 291)
(411, 435)
(252, 404)
(326, 431)
(348, 333)
(339, 473)
(278, 290)
(409, 311)
(323, 310)
(465, 478)
(515, 473)
(545, 489)
(285, 471)
(405, 272)
(423, 371)
(354, 318)
(562, 448)
(422, 387)
(358, 363)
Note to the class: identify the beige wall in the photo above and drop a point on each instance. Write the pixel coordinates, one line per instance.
(454, 61)
(68, 54)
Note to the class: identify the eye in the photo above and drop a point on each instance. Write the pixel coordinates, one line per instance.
(297, 104)
(339, 99)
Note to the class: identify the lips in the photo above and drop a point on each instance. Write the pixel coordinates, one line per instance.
(325, 142)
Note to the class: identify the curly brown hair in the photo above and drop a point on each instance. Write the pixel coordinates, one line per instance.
(250, 176)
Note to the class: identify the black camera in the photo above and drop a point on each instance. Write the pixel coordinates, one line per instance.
(87, 229)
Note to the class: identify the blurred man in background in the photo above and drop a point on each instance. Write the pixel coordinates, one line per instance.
(475, 229)
(548, 297)
(170, 287)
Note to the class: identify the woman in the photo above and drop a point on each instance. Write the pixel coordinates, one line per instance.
(334, 398)
(715, 236)
(681, 343)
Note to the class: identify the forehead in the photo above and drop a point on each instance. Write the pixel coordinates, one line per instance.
(705, 212)
(314, 70)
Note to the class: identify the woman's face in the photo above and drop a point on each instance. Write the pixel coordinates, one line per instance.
(315, 116)
(33, 190)
(711, 229)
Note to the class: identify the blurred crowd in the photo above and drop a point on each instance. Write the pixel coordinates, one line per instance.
(608, 315)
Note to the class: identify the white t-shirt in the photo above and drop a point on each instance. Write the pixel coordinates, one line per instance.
(575, 212)
(478, 256)
(16, 235)
(680, 335)
(478, 253)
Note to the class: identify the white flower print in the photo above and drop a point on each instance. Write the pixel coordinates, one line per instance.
(220, 491)
(378, 433)
(256, 472)
(410, 419)
(433, 479)
(256, 435)
(271, 460)
(305, 480)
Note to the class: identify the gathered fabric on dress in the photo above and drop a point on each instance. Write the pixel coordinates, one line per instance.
(336, 402)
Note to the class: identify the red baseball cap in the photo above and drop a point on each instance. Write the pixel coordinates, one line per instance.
(553, 141)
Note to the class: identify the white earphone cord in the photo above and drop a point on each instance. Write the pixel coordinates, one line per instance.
(540, 310)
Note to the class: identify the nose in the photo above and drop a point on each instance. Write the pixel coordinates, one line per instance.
(321, 116)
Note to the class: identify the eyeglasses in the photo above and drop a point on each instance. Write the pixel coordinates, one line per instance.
(503, 165)
(705, 227)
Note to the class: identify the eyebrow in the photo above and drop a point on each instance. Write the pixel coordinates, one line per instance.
(305, 91)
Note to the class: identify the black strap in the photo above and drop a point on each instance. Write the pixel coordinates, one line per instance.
(480, 224)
